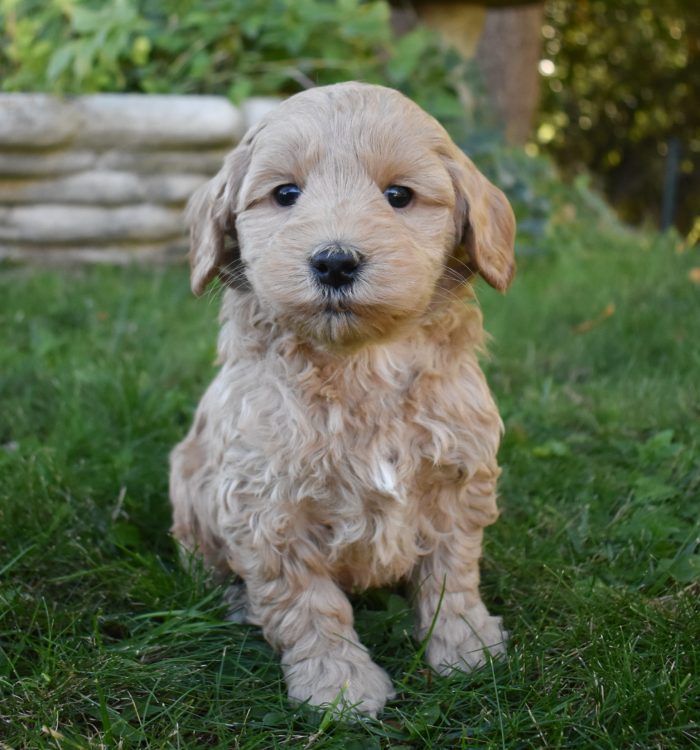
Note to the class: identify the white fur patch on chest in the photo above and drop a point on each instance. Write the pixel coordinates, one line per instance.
(386, 480)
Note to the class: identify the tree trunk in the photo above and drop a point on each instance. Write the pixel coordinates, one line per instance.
(508, 54)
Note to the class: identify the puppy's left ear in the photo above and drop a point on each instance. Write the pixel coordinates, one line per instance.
(485, 223)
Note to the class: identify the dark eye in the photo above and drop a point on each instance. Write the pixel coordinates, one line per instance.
(286, 195)
(398, 196)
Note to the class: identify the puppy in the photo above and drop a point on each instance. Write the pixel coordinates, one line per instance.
(349, 439)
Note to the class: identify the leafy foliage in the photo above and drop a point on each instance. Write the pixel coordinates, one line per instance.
(621, 80)
(218, 47)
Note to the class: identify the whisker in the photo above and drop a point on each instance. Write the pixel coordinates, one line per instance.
(469, 270)
(451, 273)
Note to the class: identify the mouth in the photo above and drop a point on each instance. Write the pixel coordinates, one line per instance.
(336, 304)
(338, 316)
(342, 322)
(336, 322)
(338, 311)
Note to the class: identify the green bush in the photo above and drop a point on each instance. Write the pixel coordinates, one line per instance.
(218, 47)
(621, 81)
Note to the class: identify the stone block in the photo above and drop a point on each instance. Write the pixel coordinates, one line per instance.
(109, 120)
(22, 163)
(201, 161)
(101, 188)
(36, 120)
(39, 163)
(65, 224)
(117, 254)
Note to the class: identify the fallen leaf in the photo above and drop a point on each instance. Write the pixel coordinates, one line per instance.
(607, 312)
(694, 275)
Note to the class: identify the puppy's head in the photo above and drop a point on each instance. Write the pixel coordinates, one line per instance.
(347, 212)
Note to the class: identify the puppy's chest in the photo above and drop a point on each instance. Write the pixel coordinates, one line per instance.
(367, 496)
(352, 439)
(364, 443)
(354, 454)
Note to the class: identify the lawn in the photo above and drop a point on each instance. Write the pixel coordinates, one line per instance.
(594, 564)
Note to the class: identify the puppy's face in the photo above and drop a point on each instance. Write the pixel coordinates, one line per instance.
(352, 212)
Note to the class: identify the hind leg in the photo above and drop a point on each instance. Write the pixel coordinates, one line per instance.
(191, 483)
(236, 598)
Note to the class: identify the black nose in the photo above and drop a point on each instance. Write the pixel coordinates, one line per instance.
(335, 267)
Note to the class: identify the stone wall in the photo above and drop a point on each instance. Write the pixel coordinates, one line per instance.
(104, 178)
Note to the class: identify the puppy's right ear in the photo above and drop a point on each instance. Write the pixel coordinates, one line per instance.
(211, 217)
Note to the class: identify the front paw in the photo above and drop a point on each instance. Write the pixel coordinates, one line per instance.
(463, 643)
(343, 678)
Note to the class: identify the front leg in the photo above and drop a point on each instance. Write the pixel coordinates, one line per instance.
(447, 580)
(308, 619)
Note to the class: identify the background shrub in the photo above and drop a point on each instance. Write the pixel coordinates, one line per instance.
(622, 82)
(235, 49)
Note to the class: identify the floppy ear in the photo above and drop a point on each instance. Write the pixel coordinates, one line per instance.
(211, 217)
(485, 223)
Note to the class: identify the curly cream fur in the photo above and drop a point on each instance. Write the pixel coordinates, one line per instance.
(348, 440)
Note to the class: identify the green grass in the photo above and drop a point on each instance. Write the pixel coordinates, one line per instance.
(594, 565)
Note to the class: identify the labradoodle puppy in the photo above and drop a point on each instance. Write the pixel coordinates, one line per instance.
(349, 439)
